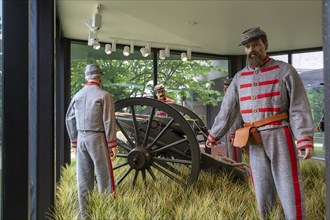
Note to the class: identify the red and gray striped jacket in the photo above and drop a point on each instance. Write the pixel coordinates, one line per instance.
(258, 93)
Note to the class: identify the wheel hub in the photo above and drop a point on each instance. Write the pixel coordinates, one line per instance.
(139, 158)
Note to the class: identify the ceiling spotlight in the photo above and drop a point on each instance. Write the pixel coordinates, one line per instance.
(144, 52)
(162, 54)
(126, 51)
(92, 38)
(95, 22)
(107, 49)
(184, 57)
(92, 41)
(96, 45)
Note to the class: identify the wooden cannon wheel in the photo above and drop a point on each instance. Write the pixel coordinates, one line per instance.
(150, 142)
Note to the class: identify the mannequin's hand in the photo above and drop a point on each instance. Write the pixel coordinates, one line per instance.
(308, 153)
(113, 153)
(209, 144)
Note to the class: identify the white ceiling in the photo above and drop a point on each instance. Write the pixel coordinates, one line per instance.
(295, 24)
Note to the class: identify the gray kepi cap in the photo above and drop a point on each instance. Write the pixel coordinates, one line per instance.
(252, 34)
(159, 87)
(92, 69)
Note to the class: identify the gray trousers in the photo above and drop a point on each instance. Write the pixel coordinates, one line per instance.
(234, 153)
(92, 157)
(275, 168)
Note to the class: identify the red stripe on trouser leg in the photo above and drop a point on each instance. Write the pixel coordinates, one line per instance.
(295, 179)
(235, 154)
(251, 176)
(112, 177)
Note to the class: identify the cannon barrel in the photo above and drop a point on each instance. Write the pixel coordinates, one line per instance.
(153, 135)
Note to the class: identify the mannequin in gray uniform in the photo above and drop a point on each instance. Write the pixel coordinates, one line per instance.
(234, 153)
(264, 88)
(91, 125)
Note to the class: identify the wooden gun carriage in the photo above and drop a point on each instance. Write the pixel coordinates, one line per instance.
(153, 135)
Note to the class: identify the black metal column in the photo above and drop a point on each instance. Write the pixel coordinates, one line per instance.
(15, 202)
(235, 64)
(155, 67)
(326, 51)
(41, 108)
(62, 90)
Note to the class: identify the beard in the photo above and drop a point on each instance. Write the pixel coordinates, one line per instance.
(254, 59)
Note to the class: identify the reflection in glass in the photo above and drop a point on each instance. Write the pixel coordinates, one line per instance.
(284, 57)
(310, 68)
(307, 61)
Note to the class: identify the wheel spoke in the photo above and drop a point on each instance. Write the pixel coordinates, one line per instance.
(144, 177)
(145, 142)
(180, 153)
(172, 160)
(124, 146)
(169, 167)
(161, 133)
(136, 130)
(120, 165)
(152, 173)
(176, 151)
(122, 155)
(123, 177)
(169, 175)
(169, 146)
(125, 134)
(166, 144)
(135, 178)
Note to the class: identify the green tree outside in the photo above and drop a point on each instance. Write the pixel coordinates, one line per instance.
(134, 78)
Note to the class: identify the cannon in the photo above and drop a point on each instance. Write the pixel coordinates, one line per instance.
(153, 135)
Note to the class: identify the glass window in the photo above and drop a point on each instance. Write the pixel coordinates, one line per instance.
(284, 57)
(307, 61)
(310, 67)
(124, 76)
(191, 83)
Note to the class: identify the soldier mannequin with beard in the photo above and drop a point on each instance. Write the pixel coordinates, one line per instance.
(265, 88)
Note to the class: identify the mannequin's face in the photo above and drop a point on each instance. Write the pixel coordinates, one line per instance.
(161, 95)
(255, 52)
(225, 88)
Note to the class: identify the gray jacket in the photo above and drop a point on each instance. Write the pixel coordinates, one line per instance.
(92, 109)
(259, 93)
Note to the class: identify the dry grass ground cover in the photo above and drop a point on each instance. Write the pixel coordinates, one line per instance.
(213, 197)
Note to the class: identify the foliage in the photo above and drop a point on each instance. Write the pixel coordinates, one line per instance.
(315, 188)
(134, 78)
(213, 197)
(189, 79)
(183, 80)
(66, 206)
(316, 101)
